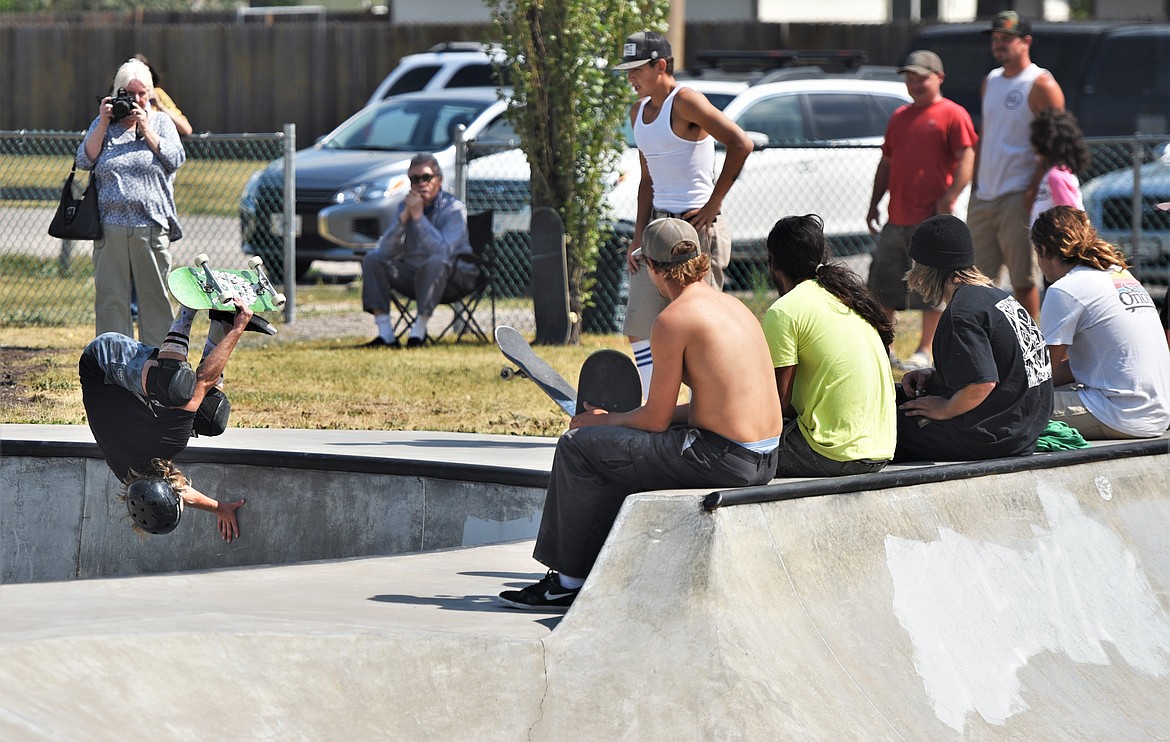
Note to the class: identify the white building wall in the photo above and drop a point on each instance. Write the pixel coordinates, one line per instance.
(804, 11)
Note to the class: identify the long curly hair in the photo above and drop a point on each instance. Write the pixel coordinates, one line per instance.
(1064, 232)
(797, 248)
(160, 468)
(1056, 136)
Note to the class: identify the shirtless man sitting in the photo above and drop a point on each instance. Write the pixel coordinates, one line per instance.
(726, 436)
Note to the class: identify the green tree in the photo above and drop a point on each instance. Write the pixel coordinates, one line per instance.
(569, 108)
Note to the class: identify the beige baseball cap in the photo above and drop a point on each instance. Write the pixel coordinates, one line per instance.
(661, 235)
(923, 63)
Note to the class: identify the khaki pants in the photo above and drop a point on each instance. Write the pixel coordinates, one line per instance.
(130, 259)
(645, 303)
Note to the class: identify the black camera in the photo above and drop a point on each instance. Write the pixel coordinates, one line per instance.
(121, 105)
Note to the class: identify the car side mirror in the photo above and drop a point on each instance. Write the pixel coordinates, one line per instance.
(759, 139)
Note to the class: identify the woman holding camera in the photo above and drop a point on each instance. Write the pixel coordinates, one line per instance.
(134, 151)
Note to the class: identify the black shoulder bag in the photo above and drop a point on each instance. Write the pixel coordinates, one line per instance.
(77, 218)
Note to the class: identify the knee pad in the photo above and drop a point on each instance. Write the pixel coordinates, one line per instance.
(171, 383)
(211, 418)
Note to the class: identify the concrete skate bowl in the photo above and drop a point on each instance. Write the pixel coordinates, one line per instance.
(1012, 599)
(310, 495)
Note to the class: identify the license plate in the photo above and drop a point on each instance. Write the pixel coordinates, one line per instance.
(278, 224)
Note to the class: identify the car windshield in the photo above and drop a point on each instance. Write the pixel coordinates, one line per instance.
(406, 125)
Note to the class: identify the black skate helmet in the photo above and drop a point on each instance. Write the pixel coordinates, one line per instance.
(153, 505)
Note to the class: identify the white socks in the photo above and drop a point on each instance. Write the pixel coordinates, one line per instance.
(570, 583)
(178, 337)
(645, 363)
(385, 331)
(419, 329)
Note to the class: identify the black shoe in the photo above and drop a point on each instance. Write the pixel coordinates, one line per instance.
(415, 342)
(378, 342)
(256, 324)
(546, 595)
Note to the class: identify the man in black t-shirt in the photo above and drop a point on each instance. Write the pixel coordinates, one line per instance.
(990, 393)
(143, 404)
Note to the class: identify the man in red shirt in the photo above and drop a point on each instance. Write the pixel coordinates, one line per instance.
(927, 160)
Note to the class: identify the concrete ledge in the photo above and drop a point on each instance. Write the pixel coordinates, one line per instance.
(311, 495)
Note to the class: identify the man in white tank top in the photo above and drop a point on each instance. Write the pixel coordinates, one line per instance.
(1007, 170)
(676, 129)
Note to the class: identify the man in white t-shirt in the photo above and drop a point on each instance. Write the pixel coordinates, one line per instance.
(1007, 170)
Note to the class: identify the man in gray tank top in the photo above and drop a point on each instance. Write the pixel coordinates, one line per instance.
(675, 128)
(1007, 170)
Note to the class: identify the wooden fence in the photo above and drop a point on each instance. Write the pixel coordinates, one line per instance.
(255, 77)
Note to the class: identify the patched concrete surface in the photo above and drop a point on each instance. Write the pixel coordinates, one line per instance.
(947, 602)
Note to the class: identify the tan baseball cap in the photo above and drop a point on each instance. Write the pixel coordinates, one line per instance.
(923, 63)
(660, 237)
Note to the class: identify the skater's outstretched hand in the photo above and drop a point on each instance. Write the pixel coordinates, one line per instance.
(225, 515)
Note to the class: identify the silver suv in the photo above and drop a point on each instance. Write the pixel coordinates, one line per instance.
(453, 64)
(1109, 203)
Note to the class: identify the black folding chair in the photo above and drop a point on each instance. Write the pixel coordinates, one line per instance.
(463, 303)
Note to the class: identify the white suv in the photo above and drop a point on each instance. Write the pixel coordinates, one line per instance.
(817, 147)
(453, 64)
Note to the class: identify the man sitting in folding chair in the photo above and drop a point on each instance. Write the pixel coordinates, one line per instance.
(416, 258)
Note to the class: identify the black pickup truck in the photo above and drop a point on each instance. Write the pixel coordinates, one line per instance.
(1115, 77)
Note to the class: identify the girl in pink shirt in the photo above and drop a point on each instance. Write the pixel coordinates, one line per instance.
(1057, 138)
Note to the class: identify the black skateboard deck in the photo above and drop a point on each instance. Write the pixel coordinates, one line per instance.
(550, 278)
(608, 378)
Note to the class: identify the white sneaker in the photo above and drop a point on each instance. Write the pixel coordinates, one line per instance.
(917, 360)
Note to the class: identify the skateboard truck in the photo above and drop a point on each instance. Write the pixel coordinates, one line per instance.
(210, 285)
(256, 263)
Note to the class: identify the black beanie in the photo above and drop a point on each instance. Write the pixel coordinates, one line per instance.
(943, 241)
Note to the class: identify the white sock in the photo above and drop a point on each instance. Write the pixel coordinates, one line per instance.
(385, 331)
(178, 337)
(645, 363)
(419, 328)
(570, 583)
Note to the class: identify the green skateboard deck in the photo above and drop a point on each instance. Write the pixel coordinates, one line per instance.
(203, 287)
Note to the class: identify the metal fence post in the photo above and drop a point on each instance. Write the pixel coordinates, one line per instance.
(290, 223)
(461, 163)
(1135, 211)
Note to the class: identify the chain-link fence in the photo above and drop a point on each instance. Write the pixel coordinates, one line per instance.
(47, 281)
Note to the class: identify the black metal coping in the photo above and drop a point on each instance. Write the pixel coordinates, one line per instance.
(904, 475)
(901, 475)
(304, 460)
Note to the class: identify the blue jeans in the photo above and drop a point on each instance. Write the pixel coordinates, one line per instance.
(596, 468)
(122, 358)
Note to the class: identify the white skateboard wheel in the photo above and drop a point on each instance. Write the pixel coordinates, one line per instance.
(201, 259)
(225, 298)
(255, 261)
(278, 300)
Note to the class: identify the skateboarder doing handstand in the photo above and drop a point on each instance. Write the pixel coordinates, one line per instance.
(143, 404)
(726, 436)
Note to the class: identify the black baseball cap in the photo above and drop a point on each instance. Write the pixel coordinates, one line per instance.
(1009, 21)
(643, 47)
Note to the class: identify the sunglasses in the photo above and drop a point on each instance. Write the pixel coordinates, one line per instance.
(425, 178)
